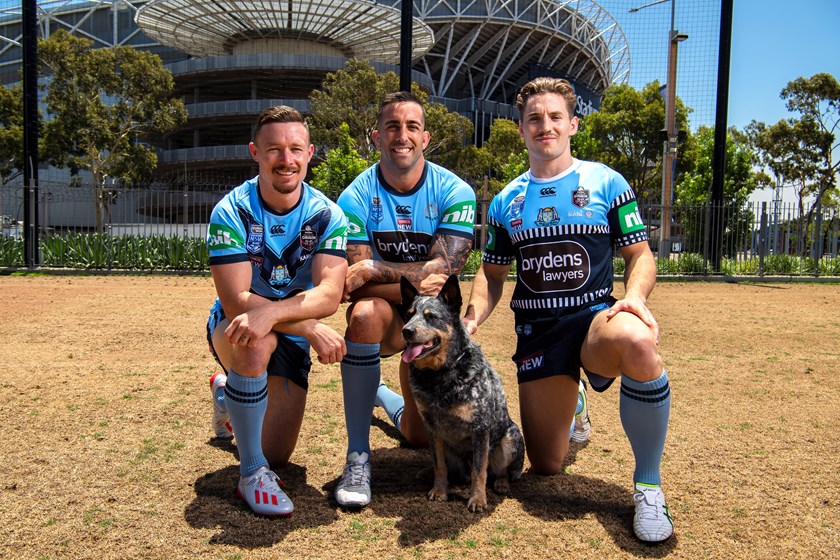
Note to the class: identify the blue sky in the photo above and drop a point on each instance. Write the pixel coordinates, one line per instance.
(774, 42)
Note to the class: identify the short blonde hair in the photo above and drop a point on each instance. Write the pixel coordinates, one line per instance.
(538, 86)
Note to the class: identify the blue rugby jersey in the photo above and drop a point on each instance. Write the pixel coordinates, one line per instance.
(280, 247)
(561, 232)
(400, 227)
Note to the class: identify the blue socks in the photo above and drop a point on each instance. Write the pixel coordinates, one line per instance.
(392, 402)
(359, 380)
(644, 409)
(247, 399)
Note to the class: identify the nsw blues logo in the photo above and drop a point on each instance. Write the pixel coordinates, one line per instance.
(279, 277)
(547, 217)
(517, 205)
(376, 210)
(580, 197)
(256, 237)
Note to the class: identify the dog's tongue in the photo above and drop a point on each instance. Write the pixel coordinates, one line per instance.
(411, 351)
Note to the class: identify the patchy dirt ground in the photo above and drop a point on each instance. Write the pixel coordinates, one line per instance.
(107, 452)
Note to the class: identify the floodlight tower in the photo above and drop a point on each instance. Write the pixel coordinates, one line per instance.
(669, 150)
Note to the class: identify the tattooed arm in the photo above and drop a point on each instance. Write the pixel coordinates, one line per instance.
(367, 277)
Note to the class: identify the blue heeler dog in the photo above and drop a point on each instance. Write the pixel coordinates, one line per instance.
(460, 397)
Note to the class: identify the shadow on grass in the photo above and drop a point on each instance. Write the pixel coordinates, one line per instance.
(574, 496)
(401, 480)
(399, 493)
(217, 506)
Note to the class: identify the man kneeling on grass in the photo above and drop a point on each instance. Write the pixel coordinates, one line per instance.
(277, 256)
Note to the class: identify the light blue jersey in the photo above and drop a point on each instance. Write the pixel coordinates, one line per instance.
(280, 247)
(400, 227)
(561, 231)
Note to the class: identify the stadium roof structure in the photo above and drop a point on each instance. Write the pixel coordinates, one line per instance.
(490, 48)
(359, 28)
(231, 57)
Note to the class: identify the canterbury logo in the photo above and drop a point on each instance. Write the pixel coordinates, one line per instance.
(548, 191)
(403, 210)
(278, 230)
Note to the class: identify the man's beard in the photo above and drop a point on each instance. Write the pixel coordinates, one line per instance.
(284, 187)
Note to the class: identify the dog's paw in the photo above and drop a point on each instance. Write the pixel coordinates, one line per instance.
(438, 494)
(477, 504)
(501, 486)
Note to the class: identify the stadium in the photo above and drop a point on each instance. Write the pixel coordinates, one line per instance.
(230, 59)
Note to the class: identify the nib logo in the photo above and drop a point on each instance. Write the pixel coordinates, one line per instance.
(463, 215)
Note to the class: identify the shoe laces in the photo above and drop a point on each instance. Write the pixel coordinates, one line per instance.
(355, 474)
(267, 480)
(650, 502)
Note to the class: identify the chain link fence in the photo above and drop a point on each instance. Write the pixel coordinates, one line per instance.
(161, 227)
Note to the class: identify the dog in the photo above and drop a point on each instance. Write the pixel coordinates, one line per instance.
(460, 397)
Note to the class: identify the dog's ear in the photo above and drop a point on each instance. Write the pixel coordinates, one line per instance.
(408, 292)
(451, 294)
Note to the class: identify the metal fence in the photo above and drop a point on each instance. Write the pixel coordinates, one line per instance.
(162, 227)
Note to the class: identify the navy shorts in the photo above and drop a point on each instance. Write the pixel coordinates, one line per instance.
(553, 348)
(288, 359)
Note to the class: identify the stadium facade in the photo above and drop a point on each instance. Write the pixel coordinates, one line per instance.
(232, 58)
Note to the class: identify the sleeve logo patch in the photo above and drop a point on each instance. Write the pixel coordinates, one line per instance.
(462, 214)
(629, 218)
(222, 237)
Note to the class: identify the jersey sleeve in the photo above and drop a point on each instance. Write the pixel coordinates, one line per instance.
(226, 234)
(499, 248)
(458, 205)
(626, 227)
(355, 210)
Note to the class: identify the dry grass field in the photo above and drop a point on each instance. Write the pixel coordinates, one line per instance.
(107, 450)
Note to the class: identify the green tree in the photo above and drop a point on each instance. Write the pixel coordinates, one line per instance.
(11, 132)
(799, 152)
(628, 126)
(583, 144)
(352, 95)
(504, 154)
(342, 164)
(817, 99)
(450, 133)
(694, 190)
(102, 102)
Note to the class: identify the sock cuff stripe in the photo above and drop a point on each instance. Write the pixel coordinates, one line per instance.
(650, 397)
(398, 416)
(636, 390)
(246, 397)
(361, 347)
(369, 360)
